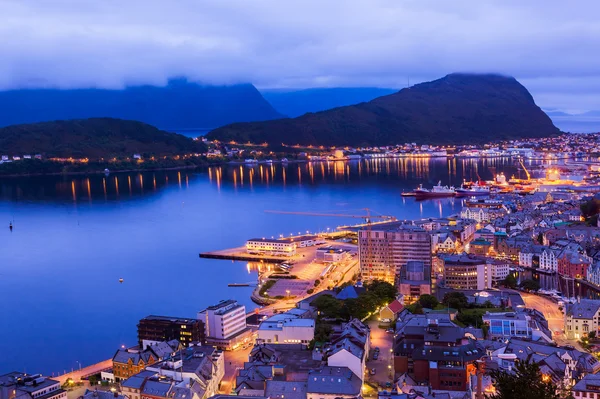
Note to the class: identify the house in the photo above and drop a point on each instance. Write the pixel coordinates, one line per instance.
(286, 328)
(582, 318)
(128, 362)
(391, 311)
(588, 387)
(573, 264)
(350, 349)
(18, 385)
(333, 383)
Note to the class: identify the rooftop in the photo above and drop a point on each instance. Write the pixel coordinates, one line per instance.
(334, 380)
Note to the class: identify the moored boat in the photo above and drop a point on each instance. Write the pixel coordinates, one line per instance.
(436, 192)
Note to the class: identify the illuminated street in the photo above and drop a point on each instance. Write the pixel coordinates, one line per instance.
(555, 317)
(382, 340)
(234, 361)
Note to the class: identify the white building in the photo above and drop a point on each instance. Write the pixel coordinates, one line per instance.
(549, 260)
(223, 320)
(582, 318)
(351, 348)
(271, 246)
(499, 269)
(286, 328)
(593, 273)
(477, 214)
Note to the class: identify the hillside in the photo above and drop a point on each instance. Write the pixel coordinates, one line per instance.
(93, 138)
(459, 108)
(294, 103)
(180, 104)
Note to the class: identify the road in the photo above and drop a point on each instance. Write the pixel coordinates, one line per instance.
(380, 339)
(84, 372)
(234, 361)
(556, 320)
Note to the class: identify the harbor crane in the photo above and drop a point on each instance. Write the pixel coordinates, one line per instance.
(525, 169)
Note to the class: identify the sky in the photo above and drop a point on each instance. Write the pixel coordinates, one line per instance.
(549, 46)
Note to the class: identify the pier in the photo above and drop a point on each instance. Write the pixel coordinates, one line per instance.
(240, 254)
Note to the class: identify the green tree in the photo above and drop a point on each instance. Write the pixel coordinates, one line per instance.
(530, 285)
(488, 304)
(384, 291)
(525, 382)
(417, 308)
(510, 281)
(428, 301)
(328, 306)
(456, 300)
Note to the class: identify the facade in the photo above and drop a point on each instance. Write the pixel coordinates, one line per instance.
(18, 385)
(582, 318)
(271, 246)
(385, 251)
(593, 273)
(549, 260)
(500, 269)
(509, 324)
(573, 264)
(223, 320)
(164, 328)
(286, 328)
(464, 272)
(414, 281)
(391, 311)
(435, 352)
(331, 254)
(128, 362)
(480, 246)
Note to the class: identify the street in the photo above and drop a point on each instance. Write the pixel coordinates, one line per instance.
(555, 317)
(382, 340)
(234, 361)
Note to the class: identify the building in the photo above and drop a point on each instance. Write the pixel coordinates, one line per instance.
(331, 254)
(17, 385)
(500, 269)
(549, 259)
(282, 246)
(479, 246)
(464, 272)
(96, 394)
(165, 328)
(414, 281)
(350, 348)
(271, 246)
(573, 264)
(286, 328)
(582, 318)
(128, 362)
(333, 383)
(390, 312)
(434, 352)
(588, 387)
(509, 324)
(384, 251)
(224, 319)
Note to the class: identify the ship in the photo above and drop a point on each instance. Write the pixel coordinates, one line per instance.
(476, 189)
(436, 192)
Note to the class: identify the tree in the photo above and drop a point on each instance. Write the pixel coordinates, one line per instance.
(525, 382)
(384, 291)
(488, 304)
(417, 308)
(530, 285)
(510, 281)
(328, 306)
(592, 335)
(540, 238)
(428, 301)
(456, 300)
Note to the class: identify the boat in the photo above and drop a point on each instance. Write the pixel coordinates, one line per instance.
(474, 190)
(407, 194)
(436, 192)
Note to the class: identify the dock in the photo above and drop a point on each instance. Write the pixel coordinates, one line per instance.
(240, 254)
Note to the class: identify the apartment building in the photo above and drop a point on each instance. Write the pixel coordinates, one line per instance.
(225, 324)
(165, 328)
(464, 272)
(18, 385)
(384, 251)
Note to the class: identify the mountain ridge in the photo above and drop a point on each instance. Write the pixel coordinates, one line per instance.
(179, 104)
(458, 108)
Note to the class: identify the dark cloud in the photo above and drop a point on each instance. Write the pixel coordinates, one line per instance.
(551, 46)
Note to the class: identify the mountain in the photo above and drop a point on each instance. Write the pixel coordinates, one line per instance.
(93, 138)
(557, 113)
(294, 103)
(458, 108)
(179, 104)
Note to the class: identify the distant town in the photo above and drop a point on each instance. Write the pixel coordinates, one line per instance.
(437, 307)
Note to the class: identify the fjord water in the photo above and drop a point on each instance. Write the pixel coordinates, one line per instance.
(74, 237)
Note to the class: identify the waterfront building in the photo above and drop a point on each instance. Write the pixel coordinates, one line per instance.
(384, 251)
(286, 328)
(331, 254)
(573, 264)
(581, 318)
(463, 272)
(593, 273)
(414, 281)
(480, 246)
(500, 269)
(128, 362)
(165, 328)
(224, 323)
(17, 385)
(435, 352)
(530, 256)
(282, 246)
(549, 259)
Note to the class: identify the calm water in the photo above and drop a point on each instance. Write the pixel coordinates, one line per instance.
(60, 297)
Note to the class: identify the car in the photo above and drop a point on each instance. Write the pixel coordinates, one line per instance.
(390, 331)
(570, 347)
(388, 384)
(375, 355)
(373, 371)
(376, 349)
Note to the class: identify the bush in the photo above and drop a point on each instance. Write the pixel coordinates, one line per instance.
(266, 286)
(428, 301)
(317, 282)
(310, 291)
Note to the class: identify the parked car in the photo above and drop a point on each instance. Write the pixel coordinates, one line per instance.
(376, 349)
(373, 371)
(390, 331)
(375, 355)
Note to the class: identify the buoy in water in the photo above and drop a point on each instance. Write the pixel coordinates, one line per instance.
(10, 226)
(121, 280)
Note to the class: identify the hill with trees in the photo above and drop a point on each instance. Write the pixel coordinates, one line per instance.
(94, 138)
(456, 109)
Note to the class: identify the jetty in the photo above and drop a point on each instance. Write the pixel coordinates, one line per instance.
(240, 254)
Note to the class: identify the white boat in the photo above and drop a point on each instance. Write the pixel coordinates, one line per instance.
(476, 189)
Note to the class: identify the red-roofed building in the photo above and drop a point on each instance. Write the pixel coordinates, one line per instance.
(391, 311)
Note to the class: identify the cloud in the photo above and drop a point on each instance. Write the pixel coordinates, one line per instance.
(301, 43)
